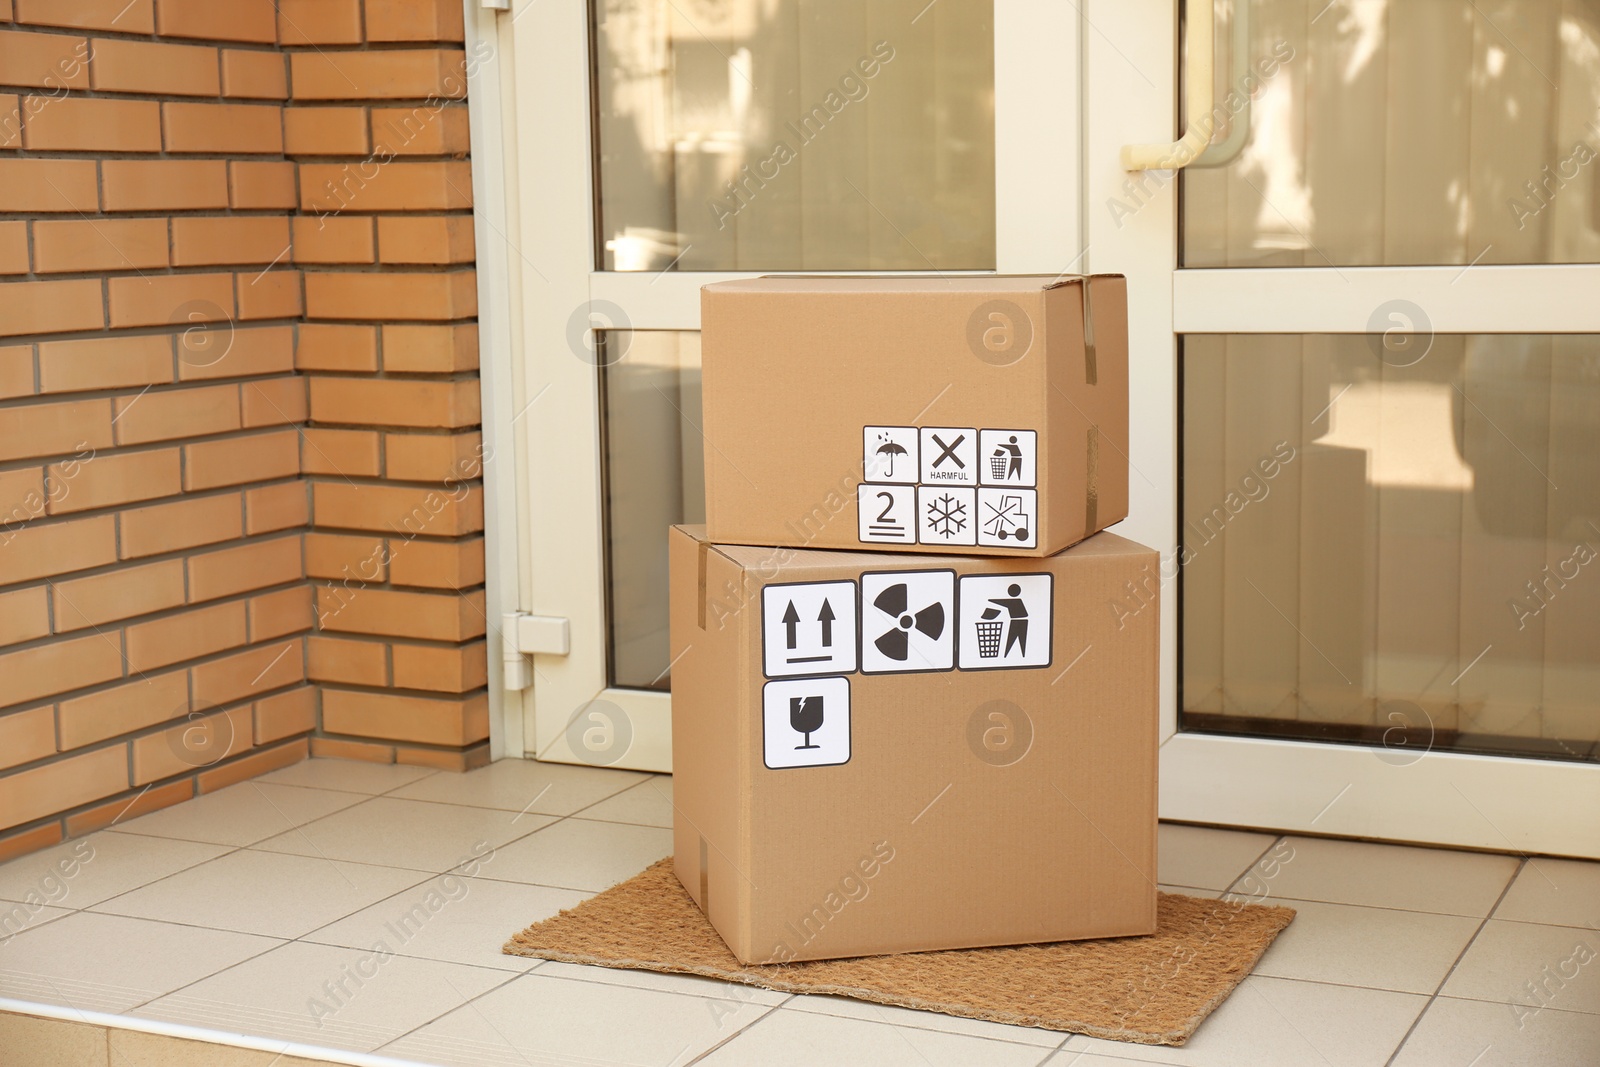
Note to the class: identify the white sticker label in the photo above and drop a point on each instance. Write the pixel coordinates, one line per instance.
(806, 722)
(1005, 621)
(947, 516)
(808, 628)
(908, 621)
(1009, 457)
(949, 456)
(887, 513)
(890, 454)
(1008, 517)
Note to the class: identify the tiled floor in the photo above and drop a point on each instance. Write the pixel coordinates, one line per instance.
(257, 910)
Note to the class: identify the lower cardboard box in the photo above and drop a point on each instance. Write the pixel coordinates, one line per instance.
(878, 754)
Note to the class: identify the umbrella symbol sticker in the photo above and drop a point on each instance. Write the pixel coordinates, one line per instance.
(890, 449)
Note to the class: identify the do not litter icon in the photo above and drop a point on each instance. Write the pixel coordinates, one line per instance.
(1006, 621)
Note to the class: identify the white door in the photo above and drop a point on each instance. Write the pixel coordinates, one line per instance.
(663, 144)
(1366, 382)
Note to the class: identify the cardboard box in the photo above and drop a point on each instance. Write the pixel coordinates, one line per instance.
(968, 414)
(872, 756)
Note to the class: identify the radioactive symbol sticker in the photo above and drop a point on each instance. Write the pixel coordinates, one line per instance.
(908, 621)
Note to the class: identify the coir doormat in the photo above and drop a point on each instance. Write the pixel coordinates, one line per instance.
(1152, 990)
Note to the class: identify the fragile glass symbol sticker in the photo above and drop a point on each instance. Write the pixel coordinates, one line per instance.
(805, 722)
(808, 628)
(908, 621)
(1005, 621)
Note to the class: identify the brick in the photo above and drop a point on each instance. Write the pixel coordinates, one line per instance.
(352, 662)
(161, 415)
(395, 402)
(405, 511)
(256, 458)
(14, 247)
(272, 294)
(354, 559)
(24, 614)
(165, 184)
(26, 736)
(287, 611)
(189, 635)
(251, 673)
(117, 595)
(391, 74)
(159, 300)
(391, 296)
(254, 75)
(286, 714)
(414, 20)
(459, 761)
(349, 453)
(159, 69)
(338, 748)
(423, 130)
(447, 458)
(10, 121)
(136, 705)
(441, 670)
(183, 524)
(329, 347)
(202, 740)
(252, 766)
(20, 844)
(22, 497)
(240, 129)
(41, 185)
(119, 361)
(373, 186)
(439, 239)
(122, 16)
(142, 803)
(49, 550)
(54, 429)
(113, 479)
(248, 352)
(276, 507)
(260, 186)
(325, 131)
(430, 349)
(303, 22)
(68, 124)
(68, 663)
(99, 244)
(65, 783)
(16, 371)
(237, 20)
(439, 564)
(50, 307)
(391, 717)
(244, 568)
(44, 60)
(206, 242)
(393, 613)
(334, 239)
(273, 401)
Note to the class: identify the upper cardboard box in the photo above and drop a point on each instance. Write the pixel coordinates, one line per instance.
(970, 414)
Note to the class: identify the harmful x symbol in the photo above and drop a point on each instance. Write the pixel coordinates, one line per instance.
(948, 451)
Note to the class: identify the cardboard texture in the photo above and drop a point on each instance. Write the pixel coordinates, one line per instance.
(967, 414)
(990, 781)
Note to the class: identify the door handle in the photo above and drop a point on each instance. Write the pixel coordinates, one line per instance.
(1200, 59)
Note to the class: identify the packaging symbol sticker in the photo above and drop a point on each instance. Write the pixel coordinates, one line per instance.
(889, 454)
(949, 456)
(947, 516)
(1004, 621)
(805, 722)
(887, 513)
(1008, 457)
(908, 621)
(1008, 517)
(808, 628)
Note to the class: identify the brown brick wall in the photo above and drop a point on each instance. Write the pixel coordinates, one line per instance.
(240, 513)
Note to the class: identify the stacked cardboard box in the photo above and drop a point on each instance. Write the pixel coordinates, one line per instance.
(911, 709)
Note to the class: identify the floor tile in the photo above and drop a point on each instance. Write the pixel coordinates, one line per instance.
(16, 918)
(579, 854)
(95, 868)
(351, 776)
(524, 785)
(241, 814)
(1190, 891)
(320, 995)
(1378, 948)
(406, 833)
(1388, 876)
(539, 1020)
(1528, 966)
(846, 1008)
(1558, 892)
(1204, 857)
(264, 893)
(649, 804)
(687, 984)
(30, 1041)
(792, 1038)
(1472, 1033)
(1271, 1022)
(452, 918)
(1069, 1058)
(111, 963)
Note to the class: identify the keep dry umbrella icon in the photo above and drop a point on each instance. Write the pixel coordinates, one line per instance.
(891, 450)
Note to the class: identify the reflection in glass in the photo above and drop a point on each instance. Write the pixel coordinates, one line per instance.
(654, 477)
(795, 134)
(1400, 554)
(1404, 132)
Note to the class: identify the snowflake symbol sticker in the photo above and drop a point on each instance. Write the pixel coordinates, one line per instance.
(947, 515)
